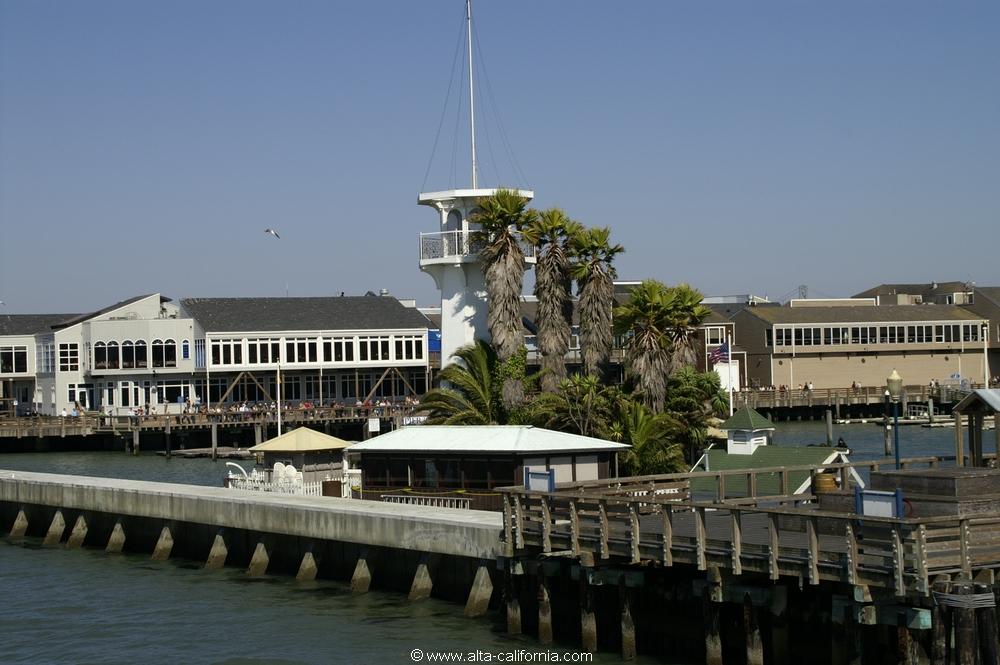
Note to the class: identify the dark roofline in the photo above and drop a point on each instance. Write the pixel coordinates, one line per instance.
(118, 305)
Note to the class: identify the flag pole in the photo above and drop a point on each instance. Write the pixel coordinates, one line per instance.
(729, 364)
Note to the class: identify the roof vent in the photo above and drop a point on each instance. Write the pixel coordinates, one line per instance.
(383, 292)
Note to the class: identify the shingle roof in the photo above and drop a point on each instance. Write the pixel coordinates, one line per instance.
(31, 324)
(324, 313)
(990, 398)
(884, 313)
(747, 419)
(991, 292)
(762, 458)
(512, 439)
(926, 289)
(78, 318)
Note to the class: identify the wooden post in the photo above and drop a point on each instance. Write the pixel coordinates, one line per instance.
(713, 636)
(603, 515)
(668, 534)
(751, 630)
(512, 601)
(829, 427)
(633, 515)
(940, 628)
(628, 625)
(699, 529)
(588, 619)
(965, 629)
(135, 441)
(773, 545)
(546, 524)
(813, 539)
(779, 623)
(986, 623)
(737, 534)
(574, 528)
(544, 609)
(959, 440)
(215, 441)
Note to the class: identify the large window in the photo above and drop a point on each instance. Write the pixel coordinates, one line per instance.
(409, 348)
(164, 353)
(13, 359)
(373, 348)
(69, 357)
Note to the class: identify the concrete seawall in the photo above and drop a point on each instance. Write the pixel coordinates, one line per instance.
(444, 552)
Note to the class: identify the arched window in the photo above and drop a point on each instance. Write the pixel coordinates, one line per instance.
(128, 356)
(100, 355)
(157, 348)
(185, 350)
(141, 356)
(113, 355)
(170, 353)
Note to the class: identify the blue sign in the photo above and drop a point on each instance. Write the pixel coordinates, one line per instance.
(540, 481)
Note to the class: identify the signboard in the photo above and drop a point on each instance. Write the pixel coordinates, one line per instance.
(414, 420)
(374, 424)
(875, 503)
(540, 481)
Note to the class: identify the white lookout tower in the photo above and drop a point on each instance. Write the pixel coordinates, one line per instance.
(451, 255)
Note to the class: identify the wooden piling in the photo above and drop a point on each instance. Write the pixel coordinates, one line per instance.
(713, 635)
(986, 625)
(544, 609)
(135, 441)
(940, 628)
(512, 601)
(779, 623)
(215, 441)
(627, 623)
(588, 619)
(965, 629)
(751, 631)
(829, 427)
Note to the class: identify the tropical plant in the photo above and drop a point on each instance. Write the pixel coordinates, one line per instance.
(582, 405)
(470, 392)
(594, 274)
(646, 322)
(550, 232)
(653, 440)
(500, 217)
(686, 315)
(692, 399)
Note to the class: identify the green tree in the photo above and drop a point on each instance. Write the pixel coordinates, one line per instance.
(653, 437)
(470, 392)
(582, 405)
(550, 232)
(692, 399)
(500, 217)
(646, 322)
(594, 274)
(686, 315)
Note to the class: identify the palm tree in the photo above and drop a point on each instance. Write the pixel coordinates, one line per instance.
(550, 233)
(594, 275)
(692, 398)
(500, 216)
(472, 395)
(653, 437)
(646, 321)
(686, 315)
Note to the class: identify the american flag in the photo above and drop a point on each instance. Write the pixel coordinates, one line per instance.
(719, 353)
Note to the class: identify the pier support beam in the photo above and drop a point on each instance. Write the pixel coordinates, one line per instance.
(713, 635)
(20, 525)
(478, 602)
(779, 623)
(215, 441)
(986, 624)
(544, 609)
(965, 629)
(512, 601)
(422, 584)
(258, 435)
(940, 627)
(78, 534)
(362, 578)
(164, 545)
(135, 441)
(628, 624)
(259, 561)
(307, 569)
(56, 529)
(217, 555)
(116, 542)
(588, 618)
(751, 629)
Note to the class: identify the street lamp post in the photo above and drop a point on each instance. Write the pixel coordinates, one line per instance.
(894, 386)
(986, 354)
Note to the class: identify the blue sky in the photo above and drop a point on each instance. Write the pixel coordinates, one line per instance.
(739, 146)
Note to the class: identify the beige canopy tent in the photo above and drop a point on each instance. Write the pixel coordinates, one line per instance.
(301, 440)
(314, 453)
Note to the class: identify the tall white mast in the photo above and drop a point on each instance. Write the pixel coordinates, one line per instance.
(472, 97)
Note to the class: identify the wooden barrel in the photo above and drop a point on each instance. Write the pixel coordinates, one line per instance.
(824, 482)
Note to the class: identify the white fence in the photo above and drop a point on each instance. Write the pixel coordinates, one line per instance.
(260, 485)
(436, 501)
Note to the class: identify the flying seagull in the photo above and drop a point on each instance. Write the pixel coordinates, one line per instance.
(273, 232)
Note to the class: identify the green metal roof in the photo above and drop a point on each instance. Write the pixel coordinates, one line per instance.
(762, 458)
(747, 419)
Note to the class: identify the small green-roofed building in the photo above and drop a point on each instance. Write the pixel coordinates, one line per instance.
(749, 446)
(765, 457)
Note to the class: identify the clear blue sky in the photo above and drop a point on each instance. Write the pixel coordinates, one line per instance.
(739, 146)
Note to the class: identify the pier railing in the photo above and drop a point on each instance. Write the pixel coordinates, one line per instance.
(800, 397)
(459, 244)
(633, 520)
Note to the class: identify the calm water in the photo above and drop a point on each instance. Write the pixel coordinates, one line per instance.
(84, 606)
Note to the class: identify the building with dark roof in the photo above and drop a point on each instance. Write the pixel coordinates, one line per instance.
(843, 346)
(150, 352)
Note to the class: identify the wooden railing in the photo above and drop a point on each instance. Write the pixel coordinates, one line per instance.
(791, 397)
(901, 554)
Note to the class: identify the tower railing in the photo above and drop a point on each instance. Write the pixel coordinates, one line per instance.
(458, 244)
